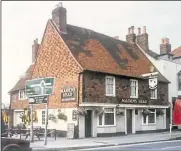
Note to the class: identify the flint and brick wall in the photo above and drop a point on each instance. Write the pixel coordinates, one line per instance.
(94, 90)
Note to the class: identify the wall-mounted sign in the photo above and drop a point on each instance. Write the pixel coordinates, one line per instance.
(68, 94)
(74, 115)
(38, 100)
(133, 101)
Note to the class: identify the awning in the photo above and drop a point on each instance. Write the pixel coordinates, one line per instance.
(177, 112)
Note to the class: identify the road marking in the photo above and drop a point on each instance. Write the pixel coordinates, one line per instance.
(122, 146)
(170, 147)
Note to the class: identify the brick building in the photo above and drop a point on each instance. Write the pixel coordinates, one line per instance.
(97, 77)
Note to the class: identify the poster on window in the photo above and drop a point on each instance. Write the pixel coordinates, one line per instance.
(153, 81)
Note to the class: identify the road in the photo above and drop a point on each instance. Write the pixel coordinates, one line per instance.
(169, 145)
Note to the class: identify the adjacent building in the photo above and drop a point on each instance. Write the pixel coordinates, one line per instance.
(99, 84)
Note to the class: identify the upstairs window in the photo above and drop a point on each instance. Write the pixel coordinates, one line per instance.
(153, 94)
(110, 86)
(179, 81)
(134, 88)
(22, 95)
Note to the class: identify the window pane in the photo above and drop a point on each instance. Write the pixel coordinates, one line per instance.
(109, 118)
(151, 118)
(144, 119)
(100, 119)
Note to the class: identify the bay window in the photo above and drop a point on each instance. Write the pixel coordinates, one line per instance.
(108, 118)
(150, 118)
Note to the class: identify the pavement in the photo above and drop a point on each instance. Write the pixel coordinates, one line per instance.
(87, 143)
(165, 145)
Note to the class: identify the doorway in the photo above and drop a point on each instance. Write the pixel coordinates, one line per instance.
(129, 121)
(88, 124)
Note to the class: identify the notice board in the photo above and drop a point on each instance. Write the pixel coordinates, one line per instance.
(70, 130)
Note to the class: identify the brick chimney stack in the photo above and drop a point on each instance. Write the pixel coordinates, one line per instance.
(142, 39)
(131, 36)
(59, 16)
(35, 48)
(165, 46)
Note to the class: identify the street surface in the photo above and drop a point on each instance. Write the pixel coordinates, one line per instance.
(169, 145)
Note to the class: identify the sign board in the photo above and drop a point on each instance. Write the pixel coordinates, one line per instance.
(39, 87)
(68, 94)
(74, 115)
(153, 82)
(133, 101)
(38, 100)
(70, 130)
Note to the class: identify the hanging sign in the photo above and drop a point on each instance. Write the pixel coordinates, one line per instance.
(153, 81)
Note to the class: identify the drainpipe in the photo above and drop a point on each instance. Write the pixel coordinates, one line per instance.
(78, 97)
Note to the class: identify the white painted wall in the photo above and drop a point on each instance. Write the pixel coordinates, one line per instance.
(17, 119)
(59, 125)
(169, 70)
(160, 122)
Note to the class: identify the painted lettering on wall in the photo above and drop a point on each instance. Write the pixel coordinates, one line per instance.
(133, 101)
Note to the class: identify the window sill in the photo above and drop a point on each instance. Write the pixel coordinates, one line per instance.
(153, 98)
(133, 97)
(110, 95)
(149, 124)
(101, 126)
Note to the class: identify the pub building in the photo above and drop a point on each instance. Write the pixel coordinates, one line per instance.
(99, 83)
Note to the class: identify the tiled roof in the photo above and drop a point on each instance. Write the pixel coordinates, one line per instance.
(98, 52)
(177, 52)
(21, 83)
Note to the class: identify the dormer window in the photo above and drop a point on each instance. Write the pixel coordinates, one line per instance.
(179, 81)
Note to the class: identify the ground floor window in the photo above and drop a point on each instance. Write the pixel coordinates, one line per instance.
(150, 118)
(108, 118)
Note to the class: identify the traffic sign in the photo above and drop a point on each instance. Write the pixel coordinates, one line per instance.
(39, 87)
(38, 100)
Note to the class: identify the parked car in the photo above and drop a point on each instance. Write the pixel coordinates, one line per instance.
(12, 144)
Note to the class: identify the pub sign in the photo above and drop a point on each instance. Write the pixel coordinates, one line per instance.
(68, 94)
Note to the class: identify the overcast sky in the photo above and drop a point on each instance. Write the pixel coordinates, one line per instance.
(23, 21)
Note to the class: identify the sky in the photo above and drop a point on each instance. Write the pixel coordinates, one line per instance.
(24, 21)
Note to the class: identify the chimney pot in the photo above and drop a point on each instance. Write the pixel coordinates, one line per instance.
(116, 37)
(144, 29)
(129, 31)
(165, 46)
(132, 29)
(35, 48)
(139, 31)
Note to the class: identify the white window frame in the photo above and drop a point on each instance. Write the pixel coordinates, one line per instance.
(114, 86)
(155, 91)
(136, 81)
(178, 79)
(103, 118)
(43, 123)
(24, 95)
(147, 119)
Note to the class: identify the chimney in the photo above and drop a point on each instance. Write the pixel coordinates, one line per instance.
(116, 37)
(142, 39)
(59, 16)
(131, 36)
(35, 48)
(165, 46)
